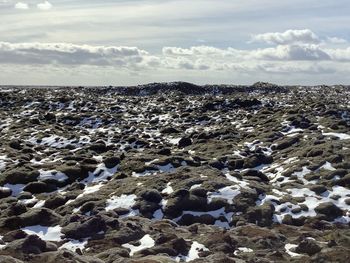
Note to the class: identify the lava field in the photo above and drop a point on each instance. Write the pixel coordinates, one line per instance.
(175, 172)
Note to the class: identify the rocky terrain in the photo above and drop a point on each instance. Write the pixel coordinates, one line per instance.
(175, 172)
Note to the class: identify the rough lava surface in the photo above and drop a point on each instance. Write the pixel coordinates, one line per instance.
(175, 172)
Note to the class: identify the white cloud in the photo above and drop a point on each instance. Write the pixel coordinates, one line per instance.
(336, 40)
(340, 54)
(291, 52)
(304, 36)
(69, 54)
(44, 6)
(21, 5)
(174, 63)
(281, 52)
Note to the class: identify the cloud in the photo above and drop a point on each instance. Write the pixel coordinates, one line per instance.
(69, 54)
(205, 62)
(291, 52)
(44, 6)
(340, 54)
(304, 36)
(21, 5)
(336, 40)
(281, 52)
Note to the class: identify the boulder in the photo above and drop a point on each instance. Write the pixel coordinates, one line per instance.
(88, 228)
(308, 246)
(261, 215)
(184, 141)
(5, 192)
(330, 210)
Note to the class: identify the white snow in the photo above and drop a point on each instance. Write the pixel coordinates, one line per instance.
(2, 246)
(74, 244)
(16, 188)
(59, 142)
(241, 183)
(145, 242)
(168, 189)
(341, 136)
(243, 250)
(44, 232)
(215, 214)
(193, 253)
(2, 162)
(327, 166)
(123, 201)
(292, 131)
(312, 200)
(221, 224)
(174, 140)
(150, 162)
(102, 172)
(168, 168)
(90, 189)
(195, 186)
(227, 193)
(252, 145)
(53, 174)
(302, 173)
(158, 214)
(288, 248)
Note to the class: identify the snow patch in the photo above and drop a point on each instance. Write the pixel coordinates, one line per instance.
(44, 232)
(123, 201)
(145, 242)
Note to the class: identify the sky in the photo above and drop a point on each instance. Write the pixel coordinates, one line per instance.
(130, 42)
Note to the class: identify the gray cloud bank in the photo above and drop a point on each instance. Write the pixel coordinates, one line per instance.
(290, 52)
(291, 45)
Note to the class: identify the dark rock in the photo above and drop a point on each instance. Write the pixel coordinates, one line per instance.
(40, 216)
(184, 141)
(65, 256)
(5, 192)
(308, 246)
(9, 259)
(255, 173)
(164, 151)
(99, 147)
(55, 201)
(50, 116)
(314, 152)
(39, 187)
(30, 245)
(111, 162)
(217, 165)
(15, 144)
(113, 254)
(329, 209)
(151, 196)
(318, 188)
(78, 172)
(261, 215)
(90, 227)
(168, 130)
(286, 142)
(21, 175)
(344, 181)
(14, 235)
(188, 202)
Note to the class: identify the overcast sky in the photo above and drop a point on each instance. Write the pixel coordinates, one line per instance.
(126, 42)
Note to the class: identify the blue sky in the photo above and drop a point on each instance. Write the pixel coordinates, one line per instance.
(130, 42)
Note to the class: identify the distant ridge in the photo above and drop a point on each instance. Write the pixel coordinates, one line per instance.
(180, 87)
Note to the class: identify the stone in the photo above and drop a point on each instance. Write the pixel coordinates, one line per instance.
(330, 210)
